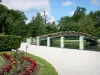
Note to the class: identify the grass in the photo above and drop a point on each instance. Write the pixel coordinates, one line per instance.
(45, 69)
(2, 62)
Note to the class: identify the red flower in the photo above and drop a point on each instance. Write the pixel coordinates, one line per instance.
(27, 72)
(31, 67)
(6, 68)
(7, 56)
(32, 61)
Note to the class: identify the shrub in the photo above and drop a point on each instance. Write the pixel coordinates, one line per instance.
(8, 42)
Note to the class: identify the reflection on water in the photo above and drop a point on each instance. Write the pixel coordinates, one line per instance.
(72, 44)
(94, 48)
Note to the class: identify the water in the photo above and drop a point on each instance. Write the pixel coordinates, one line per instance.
(72, 44)
(93, 48)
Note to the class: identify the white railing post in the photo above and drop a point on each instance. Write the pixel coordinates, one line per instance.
(81, 42)
(48, 41)
(62, 42)
(29, 40)
(38, 41)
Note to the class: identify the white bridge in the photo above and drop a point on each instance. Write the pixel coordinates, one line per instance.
(82, 36)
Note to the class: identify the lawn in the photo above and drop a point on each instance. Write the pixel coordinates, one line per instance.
(2, 62)
(46, 68)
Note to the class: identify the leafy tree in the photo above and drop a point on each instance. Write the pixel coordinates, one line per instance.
(36, 27)
(17, 23)
(3, 17)
(63, 23)
(86, 25)
(12, 22)
(97, 18)
(51, 28)
(79, 13)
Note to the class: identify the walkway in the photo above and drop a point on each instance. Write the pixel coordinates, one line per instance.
(68, 61)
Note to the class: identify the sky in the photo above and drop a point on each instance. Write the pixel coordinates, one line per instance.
(55, 9)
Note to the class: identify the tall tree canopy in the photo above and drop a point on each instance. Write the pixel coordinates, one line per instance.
(12, 22)
(79, 13)
(82, 22)
(36, 26)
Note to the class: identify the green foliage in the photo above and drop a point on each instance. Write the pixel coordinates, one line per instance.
(2, 62)
(81, 22)
(12, 22)
(63, 23)
(86, 25)
(8, 42)
(51, 28)
(79, 13)
(36, 27)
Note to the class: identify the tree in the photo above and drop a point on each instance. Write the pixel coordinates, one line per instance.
(12, 22)
(95, 16)
(86, 25)
(79, 13)
(63, 23)
(36, 27)
(3, 17)
(51, 28)
(17, 23)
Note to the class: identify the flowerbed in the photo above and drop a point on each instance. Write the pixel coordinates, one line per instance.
(22, 65)
(7, 67)
(31, 67)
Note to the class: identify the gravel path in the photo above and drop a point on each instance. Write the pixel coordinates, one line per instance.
(68, 61)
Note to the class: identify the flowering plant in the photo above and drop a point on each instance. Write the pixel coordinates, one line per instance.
(7, 56)
(31, 67)
(27, 72)
(7, 67)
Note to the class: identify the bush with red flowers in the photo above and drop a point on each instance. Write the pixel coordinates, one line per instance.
(20, 65)
(31, 67)
(8, 66)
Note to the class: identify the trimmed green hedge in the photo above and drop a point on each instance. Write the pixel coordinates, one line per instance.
(8, 42)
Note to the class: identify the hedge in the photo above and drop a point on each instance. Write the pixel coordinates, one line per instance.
(8, 42)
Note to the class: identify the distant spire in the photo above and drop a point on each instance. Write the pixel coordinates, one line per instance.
(45, 16)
